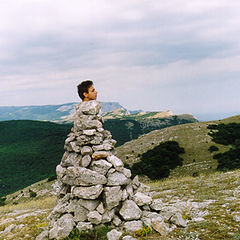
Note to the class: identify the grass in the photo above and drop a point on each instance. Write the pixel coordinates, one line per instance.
(193, 137)
(29, 217)
(218, 193)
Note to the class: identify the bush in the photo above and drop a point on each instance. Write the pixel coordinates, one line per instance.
(143, 232)
(196, 174)
(2, 201)
(98, 233)
(229, 160)
(52, 177)
(32, 193)
(158, 162)
(213, 148)
(227, 134)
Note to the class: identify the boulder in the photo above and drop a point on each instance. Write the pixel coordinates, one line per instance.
(86, 160)
(75, 147)
(60, 171)
(157, 204)
(127, 172)
(80, 176)
(83, 226)
(86, 150)
(103, 147)
(117, 178)
(89, 132)
(116, 221)
(79, 212)
(62, 227)
(88, 204)
(43, 235)
(100, 208)
(132, 226)
(100, 154)
(92, 192)
(130, 211)
(142, 199)
(70, 159)
(116, 162)
(108, 215)
(112, 196)
(114, 235)
(94, 217)
(88, 107)
(178, 220)
(101, 166)
(160, 226)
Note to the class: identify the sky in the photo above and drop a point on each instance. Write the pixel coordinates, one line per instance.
(178, 55)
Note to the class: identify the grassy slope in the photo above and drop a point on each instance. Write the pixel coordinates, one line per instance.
(192, 137)
(29, 151)
(219, 194)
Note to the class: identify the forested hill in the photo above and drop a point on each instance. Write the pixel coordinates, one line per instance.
(29, 152)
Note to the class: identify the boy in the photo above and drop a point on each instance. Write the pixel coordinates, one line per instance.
(86, 91)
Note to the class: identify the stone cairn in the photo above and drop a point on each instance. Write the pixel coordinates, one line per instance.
(94, 188)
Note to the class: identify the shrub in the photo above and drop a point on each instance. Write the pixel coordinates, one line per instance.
(229, 160)
(98, 233)
(158, 162)
(32, 193)
(2, 201)
(195, 174)
(143, 232)
(52, 177)
(227, 134)
(213, 148)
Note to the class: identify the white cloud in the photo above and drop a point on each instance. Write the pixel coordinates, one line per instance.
(127, 47)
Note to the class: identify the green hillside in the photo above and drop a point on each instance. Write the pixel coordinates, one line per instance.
(193, 137)
(127, 129)
(29, 152)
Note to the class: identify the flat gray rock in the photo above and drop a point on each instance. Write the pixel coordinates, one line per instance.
(80, 176)
(130, 211)
(117, 179)
(116, 162)
(142, 199)
(133, 226)
(157, 204)
(114, 235)
(94, 217)
(62, 227)
(83, 226)
(101, 166)
(92, 192)
(112, 196)
(88, 107)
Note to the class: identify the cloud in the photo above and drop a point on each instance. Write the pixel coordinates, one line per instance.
(128, 48)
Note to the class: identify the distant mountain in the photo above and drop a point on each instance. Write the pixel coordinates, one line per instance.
(63, 113)
(56, 113)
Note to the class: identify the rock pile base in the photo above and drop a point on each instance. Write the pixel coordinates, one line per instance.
(94, 188)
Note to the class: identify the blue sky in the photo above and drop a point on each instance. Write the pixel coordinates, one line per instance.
(181, 55)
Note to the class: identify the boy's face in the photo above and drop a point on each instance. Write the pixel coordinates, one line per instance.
(91, 95)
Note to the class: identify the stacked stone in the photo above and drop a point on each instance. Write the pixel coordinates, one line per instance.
(93, 187)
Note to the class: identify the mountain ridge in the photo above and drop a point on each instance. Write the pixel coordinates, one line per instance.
(63, 113)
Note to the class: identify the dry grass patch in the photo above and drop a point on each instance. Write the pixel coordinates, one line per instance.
(44, 203)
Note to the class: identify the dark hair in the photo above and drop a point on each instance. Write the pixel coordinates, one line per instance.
(83, 87)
